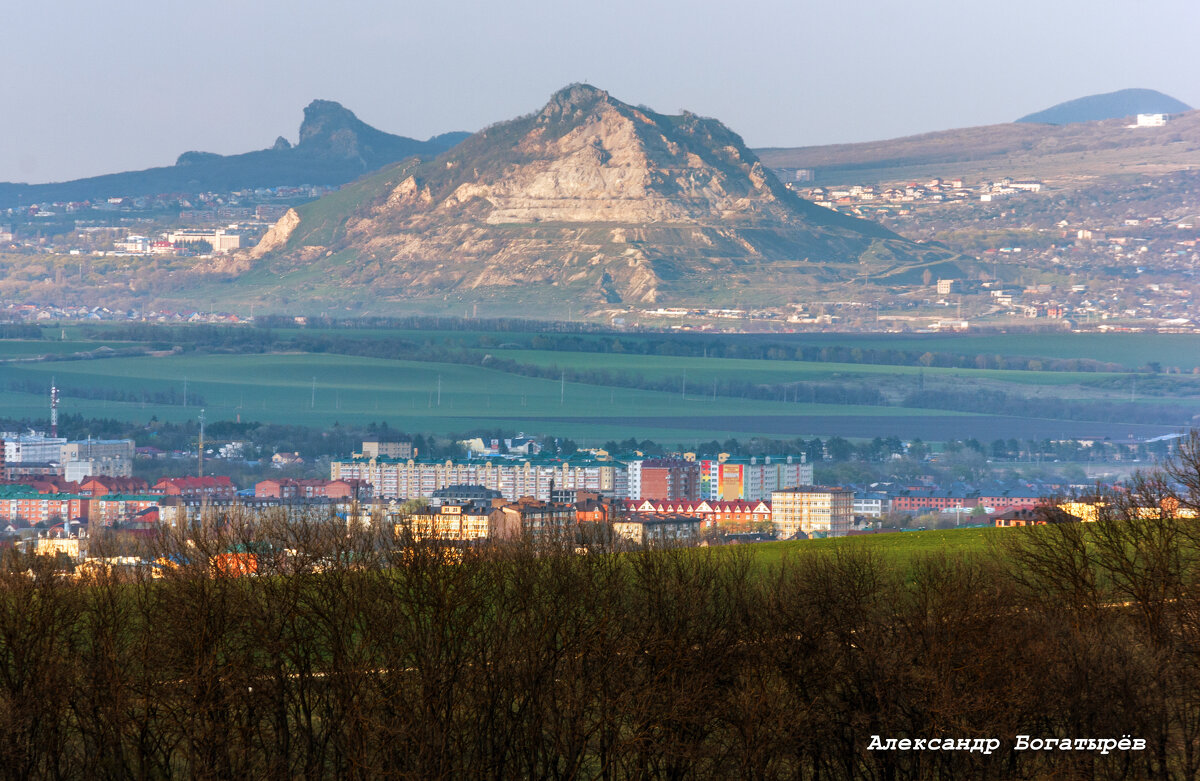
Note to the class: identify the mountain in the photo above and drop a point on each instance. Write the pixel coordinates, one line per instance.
(1066, 152)
(1110, 105)
(587, 202)
(335, 147)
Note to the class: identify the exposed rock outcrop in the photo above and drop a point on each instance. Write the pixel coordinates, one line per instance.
(589, 199)
(276, 237)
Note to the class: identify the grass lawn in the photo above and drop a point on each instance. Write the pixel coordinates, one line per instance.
(897, 547)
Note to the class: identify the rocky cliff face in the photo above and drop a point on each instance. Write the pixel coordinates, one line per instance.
(606, 202)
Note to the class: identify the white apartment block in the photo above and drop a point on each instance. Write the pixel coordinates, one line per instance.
(513, 479)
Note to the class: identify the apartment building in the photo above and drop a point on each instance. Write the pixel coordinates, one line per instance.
(669, 529)
(420, 479)
(751, 479)
(812, 511)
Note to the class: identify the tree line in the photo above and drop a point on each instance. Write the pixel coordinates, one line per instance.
(353, 654)
(170, 396)
(571, 337)
(1000, 403)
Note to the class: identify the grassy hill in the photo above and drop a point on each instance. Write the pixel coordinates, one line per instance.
(1068, 152)
(895, 548)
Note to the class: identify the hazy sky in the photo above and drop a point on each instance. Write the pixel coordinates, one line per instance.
(92, 88)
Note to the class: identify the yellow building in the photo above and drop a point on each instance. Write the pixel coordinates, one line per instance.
(1084, 510)
(449, 522)
(53, 546)
(817, 511)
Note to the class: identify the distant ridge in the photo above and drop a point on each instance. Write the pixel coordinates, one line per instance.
(335, 147)
(1026, 149)
(1110, 105)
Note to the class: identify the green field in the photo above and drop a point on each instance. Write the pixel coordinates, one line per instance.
(326, 388)
(773, 372)
(900, 548)
(1130, 350)
(28, 348)
(319, 390)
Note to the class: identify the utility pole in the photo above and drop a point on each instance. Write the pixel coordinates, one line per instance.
(562, 389)
(201, 448)
(439, 403)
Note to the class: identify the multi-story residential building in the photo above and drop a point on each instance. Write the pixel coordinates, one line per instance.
(220, 239)
(135, 245)
(752, 479)
(873, 504)
(464, 493)
(376, 449)
(118, 508)
(65, 545)
(287, 488)
(36, 448)
(814, 511)
(217, 487)
(1013, 499)
(420, 479)
(669, 529)
(22, 506)
(119, 449)
(81, 469)
(927, 500)
(102, 485)
(526, 518)
(633, 479)
(98, 457)
(669, 478)
(23, 470)
(456, 521)
(535, 519)
(710, 513)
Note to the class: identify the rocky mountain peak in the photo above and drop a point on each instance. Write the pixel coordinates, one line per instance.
(324, 119)
(589, 198)
(572, 100)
